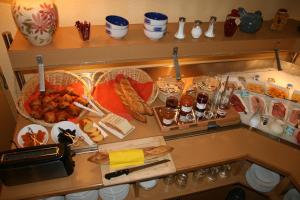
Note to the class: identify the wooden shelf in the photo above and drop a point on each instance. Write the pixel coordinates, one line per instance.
(237, 176)
(68, 49)
(163, 191)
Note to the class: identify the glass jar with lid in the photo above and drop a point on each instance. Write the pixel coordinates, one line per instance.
(186, 108)
(168, 115)
(201, 102)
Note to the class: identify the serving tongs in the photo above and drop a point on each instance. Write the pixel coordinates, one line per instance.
(68, 134)
(94, 108)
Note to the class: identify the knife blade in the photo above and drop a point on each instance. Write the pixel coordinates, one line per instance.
(133, 169)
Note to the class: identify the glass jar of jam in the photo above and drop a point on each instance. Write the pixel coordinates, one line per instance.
(172, 102)
(186, 107)
(168, 115)
(202, 100)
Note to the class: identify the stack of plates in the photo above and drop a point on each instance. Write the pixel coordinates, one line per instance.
(261, 179)
(86, 195)
(118, 192)
(292, 194)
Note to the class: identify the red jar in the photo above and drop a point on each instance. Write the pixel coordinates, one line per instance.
(186, 107)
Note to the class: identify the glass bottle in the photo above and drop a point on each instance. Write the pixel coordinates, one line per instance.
(202, 100)
(186, 107)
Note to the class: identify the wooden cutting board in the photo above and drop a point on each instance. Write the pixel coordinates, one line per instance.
(159, 170)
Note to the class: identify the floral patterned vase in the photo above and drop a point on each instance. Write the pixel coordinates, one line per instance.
(36, 19)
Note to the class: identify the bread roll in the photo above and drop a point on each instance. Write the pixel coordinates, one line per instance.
(149, 153)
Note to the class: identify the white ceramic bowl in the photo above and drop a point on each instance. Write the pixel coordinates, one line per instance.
(116, 33)
(148, 185)
(116, 22)
(157, 28)
(292, 194)
(155, 18)
(153, 35)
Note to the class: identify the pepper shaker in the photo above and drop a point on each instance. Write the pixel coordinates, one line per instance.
(211, 28)
(196, 30)
(180, 33)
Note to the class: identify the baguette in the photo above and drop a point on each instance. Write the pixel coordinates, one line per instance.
(149, 153)
(136, 102)
(128, 104)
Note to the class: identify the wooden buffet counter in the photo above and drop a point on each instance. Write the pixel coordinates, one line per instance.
(238, 143)
(222, 146)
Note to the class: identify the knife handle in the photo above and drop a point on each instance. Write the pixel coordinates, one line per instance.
(116, 173)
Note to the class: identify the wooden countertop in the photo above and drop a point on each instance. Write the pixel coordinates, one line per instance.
(189, 153)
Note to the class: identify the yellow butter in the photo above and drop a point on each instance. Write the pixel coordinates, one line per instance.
(126, 158)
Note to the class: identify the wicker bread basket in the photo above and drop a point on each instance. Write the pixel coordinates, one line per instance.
(61, 78)
(134, 73)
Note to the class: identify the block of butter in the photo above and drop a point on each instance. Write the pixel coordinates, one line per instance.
(126, 158)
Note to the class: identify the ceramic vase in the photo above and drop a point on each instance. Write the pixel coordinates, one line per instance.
(250, 22)
(36, 19)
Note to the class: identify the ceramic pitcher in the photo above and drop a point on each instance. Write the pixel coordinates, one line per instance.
(250, 22)
(36, 20)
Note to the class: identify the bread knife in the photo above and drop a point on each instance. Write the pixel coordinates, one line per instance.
(133, 169)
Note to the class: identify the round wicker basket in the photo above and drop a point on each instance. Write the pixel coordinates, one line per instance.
(134, 73)
(61, 78)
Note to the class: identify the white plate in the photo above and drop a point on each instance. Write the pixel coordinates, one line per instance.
(89, 195)
(267, 177)
(64, 125)
(114, 191)
(35, 128)
(292, 194)
(250, 180)
(120, 196)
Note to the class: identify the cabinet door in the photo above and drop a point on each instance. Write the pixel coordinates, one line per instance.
(7, 122)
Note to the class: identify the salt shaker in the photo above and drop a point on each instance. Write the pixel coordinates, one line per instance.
(211, 28)
(180, 33)
(196, 30)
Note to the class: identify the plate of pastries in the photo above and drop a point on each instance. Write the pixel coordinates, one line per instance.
(57, 102)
